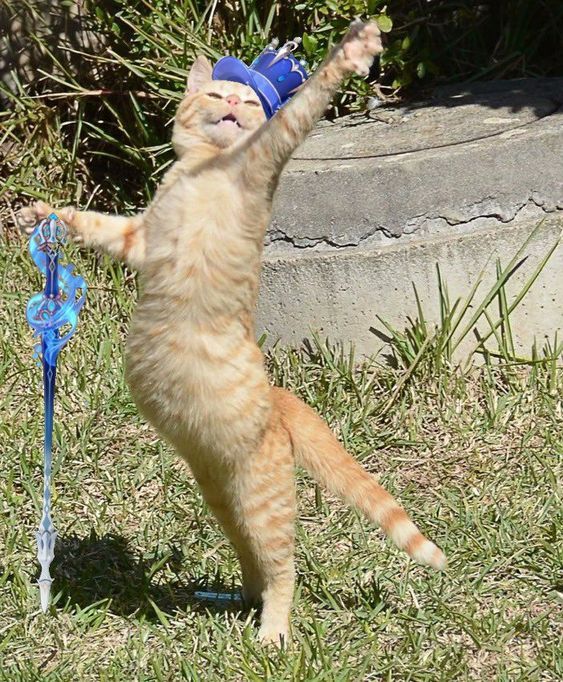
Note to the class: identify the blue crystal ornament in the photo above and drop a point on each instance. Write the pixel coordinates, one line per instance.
(55, 308)
(275, 75)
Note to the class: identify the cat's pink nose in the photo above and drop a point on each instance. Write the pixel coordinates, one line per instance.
(233, 100)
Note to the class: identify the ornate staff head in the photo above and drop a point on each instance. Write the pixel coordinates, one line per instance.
(56, 308)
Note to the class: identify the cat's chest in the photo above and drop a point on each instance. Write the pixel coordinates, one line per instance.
(205, 242)
(201, 207)
(203, 213)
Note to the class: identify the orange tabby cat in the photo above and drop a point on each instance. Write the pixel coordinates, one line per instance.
(192, 362)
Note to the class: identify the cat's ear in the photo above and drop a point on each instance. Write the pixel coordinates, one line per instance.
(200, 73)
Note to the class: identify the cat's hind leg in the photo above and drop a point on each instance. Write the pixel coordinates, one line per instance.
(226, 513)
(256, 509)
(265, 550)
(268, 516)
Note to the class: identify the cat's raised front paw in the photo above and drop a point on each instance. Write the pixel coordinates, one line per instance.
(361, 44)
(28, 217)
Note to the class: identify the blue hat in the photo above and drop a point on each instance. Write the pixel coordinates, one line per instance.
(275, 75)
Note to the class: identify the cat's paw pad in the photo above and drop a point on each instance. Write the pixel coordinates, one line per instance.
(360, 46)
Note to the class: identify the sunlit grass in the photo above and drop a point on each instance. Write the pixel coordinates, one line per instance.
(473, 454)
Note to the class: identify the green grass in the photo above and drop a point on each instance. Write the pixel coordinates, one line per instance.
(473, 454)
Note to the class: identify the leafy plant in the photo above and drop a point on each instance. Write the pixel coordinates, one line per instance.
(89, 95)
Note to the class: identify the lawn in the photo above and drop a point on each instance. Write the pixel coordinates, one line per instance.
(474, 455)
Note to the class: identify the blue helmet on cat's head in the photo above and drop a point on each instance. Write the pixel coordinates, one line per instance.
(275, 75)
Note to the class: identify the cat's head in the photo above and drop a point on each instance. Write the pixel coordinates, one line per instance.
(214, 112)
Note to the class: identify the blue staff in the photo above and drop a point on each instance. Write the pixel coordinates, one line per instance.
(56, 306)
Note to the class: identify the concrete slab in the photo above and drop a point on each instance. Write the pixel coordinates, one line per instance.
(369, 205)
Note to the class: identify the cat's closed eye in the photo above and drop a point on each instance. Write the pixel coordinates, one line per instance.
(214, 95)
(252, 101)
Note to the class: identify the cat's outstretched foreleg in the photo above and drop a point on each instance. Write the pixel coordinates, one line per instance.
(276, 140)
(121, 236)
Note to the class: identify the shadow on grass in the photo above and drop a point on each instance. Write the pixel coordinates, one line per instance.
(93, 569)
(97, 569)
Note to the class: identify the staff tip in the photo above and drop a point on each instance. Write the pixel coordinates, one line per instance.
(45, 594)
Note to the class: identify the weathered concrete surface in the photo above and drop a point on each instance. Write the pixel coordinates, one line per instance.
(368, 206)
(340, 295)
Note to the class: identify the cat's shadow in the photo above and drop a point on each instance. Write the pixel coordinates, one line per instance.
(94, 569)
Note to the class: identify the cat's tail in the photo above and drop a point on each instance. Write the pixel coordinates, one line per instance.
(316, 449)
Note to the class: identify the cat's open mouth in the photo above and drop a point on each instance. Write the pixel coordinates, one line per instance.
(228, 120)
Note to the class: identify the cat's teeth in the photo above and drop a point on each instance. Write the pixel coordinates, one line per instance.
(229, 119)
(228, 124)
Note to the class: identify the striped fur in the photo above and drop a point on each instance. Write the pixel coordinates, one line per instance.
(192, 362)
(317, 450)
